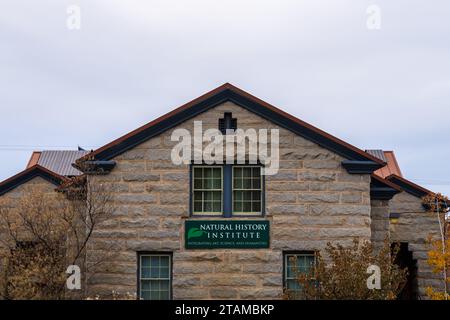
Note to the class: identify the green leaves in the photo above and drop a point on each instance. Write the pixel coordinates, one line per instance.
(195, 233)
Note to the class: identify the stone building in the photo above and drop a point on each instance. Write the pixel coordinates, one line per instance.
(226, 231)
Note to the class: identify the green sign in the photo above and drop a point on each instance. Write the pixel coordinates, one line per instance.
(215, 234)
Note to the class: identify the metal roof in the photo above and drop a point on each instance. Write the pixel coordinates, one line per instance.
(392, 166)
(58, 161)
(377, 153)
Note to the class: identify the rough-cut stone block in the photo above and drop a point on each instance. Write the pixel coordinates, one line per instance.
(284, 197)
(353, 197)
(255, 294)
(317, 176)
(198, 257)
(142, 176)
(288, 209)
(173, 198)
(318, 197)
(223, 293)
(136, 198)
(283, 175)
(291, 186)
(321, 164)
(227, 280)
(185, 282)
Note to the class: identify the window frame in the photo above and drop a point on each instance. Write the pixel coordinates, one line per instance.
(286, 254)
(192, 198)
(261, 190)
(227, 192)
(141, 254)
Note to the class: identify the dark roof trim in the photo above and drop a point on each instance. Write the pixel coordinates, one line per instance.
(27, 175)
(381, 189)
(96, 166)
(409, 186)
(228, 92)
(360, 167)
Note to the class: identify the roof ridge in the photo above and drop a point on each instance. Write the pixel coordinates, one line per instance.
(229, 92)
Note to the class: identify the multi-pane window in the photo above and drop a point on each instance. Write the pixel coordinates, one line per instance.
(227, 190)
(247, 189)
(154, 276)
(207, 190)
(295, 264)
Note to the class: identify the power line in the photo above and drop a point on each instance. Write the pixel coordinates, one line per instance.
(40, 147)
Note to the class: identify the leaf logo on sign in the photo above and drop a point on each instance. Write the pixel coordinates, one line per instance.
(194, 233)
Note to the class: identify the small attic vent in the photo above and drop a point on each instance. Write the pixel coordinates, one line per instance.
(227, 122)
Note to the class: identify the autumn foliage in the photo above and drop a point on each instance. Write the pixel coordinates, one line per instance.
(343, 274)
(42, 235)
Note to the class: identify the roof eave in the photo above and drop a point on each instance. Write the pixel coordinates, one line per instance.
(228, 92)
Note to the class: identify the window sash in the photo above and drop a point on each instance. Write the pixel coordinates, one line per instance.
(251, 190)
(155, 294)
(308, 265)
(203, 191)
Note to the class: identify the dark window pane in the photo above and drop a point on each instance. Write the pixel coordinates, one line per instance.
(145, 285)
(207, 184)
(246, 207)
(145, 261)
(256, 206)
(158, 268)
(154, 295)
(145, 295)
(197, 196)
(217, 206)
(207, 196)
(165, 295)
(247, 172)
(217, 173)
(198, 184)
(217, 195)
(256, 183)
(154, 272)
(217, 184)
(145, 272)
(247, 184)
(154, 261)
(164, 272)
(197, 172)
(208, 207)
(198, 206)
(207, 173)
(293, 284)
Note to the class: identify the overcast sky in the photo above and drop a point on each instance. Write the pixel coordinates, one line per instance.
(132, 61)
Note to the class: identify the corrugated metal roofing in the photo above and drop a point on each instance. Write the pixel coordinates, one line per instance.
(377, 153)
(58, 161)
(392, 166)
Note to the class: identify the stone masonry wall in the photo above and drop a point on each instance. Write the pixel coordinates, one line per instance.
(414, 226)
(12, 199)
(312, 200)
(379, 222)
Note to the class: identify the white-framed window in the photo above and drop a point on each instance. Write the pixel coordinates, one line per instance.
(155, 274)
(247, 190)
(207, 190)
(296, 263)
(227, 190)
